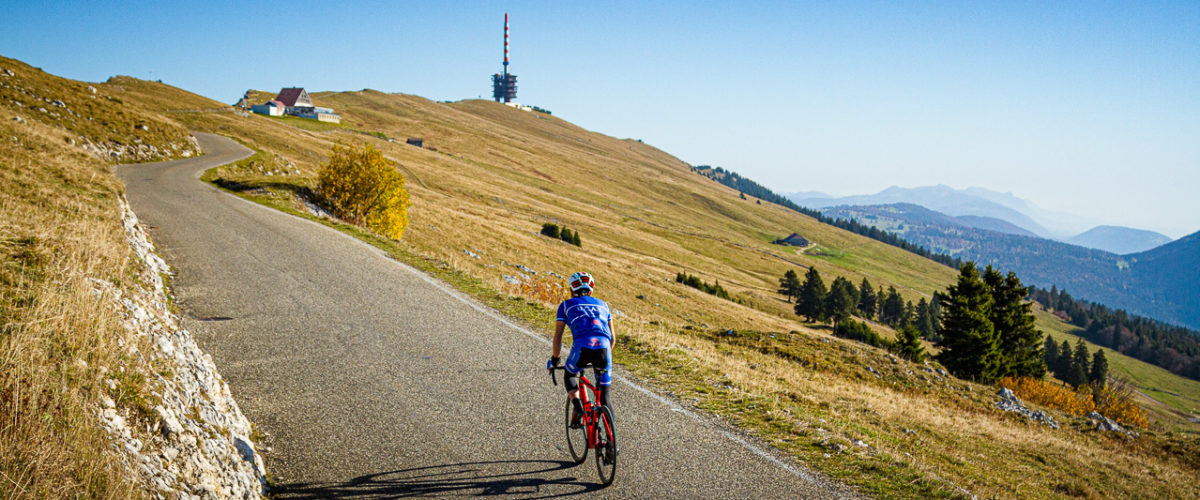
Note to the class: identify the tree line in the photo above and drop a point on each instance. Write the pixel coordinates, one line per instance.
(982, 324)
(843, 301)
(697, 283)
(1174, 348)
(747, 186)
(1075, 366)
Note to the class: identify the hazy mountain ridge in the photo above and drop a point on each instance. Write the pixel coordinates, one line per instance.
(941, 198)
(1157, 284)
(1119, 240)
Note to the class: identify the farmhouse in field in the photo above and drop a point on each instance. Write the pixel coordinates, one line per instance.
(294, 101)
(794, 240)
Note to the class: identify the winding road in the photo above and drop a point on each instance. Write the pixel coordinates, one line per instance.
(372, 379)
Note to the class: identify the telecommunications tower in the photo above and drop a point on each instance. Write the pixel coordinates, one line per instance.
(504, 85)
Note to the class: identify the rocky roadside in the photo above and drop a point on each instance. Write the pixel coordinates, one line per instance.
(188, 439)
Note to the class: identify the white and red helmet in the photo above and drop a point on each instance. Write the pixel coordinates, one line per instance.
(581, 282)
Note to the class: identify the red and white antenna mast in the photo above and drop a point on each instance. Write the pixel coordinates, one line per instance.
(506, 43)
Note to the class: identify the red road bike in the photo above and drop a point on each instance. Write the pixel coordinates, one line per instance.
(596, 430)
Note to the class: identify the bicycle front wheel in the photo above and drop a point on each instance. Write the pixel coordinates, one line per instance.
(577, 439)
(606, 446)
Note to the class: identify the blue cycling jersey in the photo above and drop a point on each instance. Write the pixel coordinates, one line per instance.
(588, 318)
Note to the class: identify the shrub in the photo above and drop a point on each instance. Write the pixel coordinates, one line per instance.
(857, 330)
(694, 282)
(1113, 400)
(362, 187)
(565, 235)
(550, 230)
(546, 291)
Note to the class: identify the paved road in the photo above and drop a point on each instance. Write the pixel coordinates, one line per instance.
(374, 380)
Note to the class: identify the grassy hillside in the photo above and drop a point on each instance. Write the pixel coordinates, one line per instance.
(63, 348)
(490, 175)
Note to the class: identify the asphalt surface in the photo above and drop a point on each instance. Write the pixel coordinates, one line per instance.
(372, 379)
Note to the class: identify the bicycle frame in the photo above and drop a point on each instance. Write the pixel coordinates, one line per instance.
(590, 408)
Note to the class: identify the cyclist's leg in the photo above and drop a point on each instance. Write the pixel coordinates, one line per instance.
(570, 380)
(604, 378)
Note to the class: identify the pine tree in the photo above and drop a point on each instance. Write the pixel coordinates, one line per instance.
(969, 343)
(840, 301)
(1012, 317)
(565, 235)
(866, 300)
(892, 311)
(908, 343)
(1099, 374)
(550, 230)
(909, 315)
(924, 319)
(789, 285)
(1062, 368)
(1051, 354)
(811, 302)
(575, 239)
(1079, 365)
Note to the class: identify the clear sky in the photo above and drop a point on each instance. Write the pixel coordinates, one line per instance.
(1082, 107)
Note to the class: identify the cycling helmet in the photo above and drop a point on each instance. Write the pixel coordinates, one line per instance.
(581, 282)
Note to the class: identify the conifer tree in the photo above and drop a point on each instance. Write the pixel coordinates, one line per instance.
(565, 235)
(908, 343)
(924, 319)
(866, 300)
(909, 315)
(811, 302)
(969, 343)
(575, 240)
(1051, 354)
(789, 285)
(1079, 365)
(892, 311)
(1012, 317)
(1099, 374)
(1063, 367)
(840, 301)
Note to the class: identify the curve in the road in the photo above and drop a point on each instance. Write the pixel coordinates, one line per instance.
(374, 379)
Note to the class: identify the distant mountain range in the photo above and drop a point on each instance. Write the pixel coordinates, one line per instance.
(1119, 240)
(990, 206)
(1160, 283)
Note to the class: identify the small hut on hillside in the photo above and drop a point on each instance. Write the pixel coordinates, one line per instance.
(794, 240)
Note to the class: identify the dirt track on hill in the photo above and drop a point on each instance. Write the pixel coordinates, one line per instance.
(373, 379)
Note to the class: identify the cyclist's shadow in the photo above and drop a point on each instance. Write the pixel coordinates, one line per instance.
(470, 478)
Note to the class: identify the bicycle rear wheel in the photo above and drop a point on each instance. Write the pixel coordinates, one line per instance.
(606, 446)
(577, 440)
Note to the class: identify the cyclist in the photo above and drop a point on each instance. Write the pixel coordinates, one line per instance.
(592, 338)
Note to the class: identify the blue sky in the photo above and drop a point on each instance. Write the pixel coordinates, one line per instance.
(1088, 108)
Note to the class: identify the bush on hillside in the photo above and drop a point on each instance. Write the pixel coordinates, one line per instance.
(362, 187)
(550, 230)
(1113, 400)
(857, 330)
(694, 282)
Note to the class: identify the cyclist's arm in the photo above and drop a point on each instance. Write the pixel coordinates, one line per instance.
(558, 333)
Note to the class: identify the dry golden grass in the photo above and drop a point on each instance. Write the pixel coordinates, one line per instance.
(62, 245)
(60, 228)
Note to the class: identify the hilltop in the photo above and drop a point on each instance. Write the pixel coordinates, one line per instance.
(489, 176)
